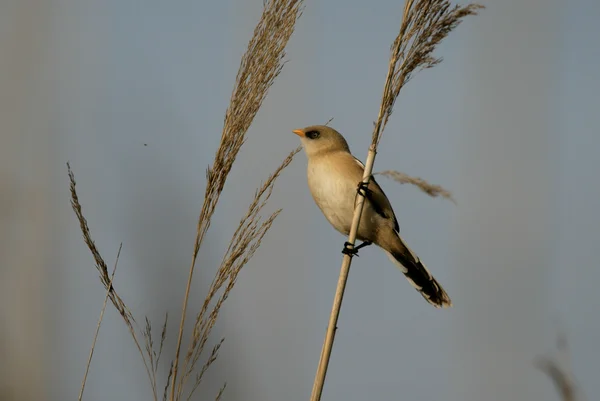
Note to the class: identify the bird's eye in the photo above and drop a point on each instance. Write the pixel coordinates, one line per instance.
(312, 134)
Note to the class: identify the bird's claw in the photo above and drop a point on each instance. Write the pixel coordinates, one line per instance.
(351, 250)
(363, 189)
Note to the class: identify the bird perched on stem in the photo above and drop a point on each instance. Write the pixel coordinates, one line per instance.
(334, 177)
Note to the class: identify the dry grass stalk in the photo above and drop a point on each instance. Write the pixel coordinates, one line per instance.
(117, 301)
(212, 357)
(100, 264)
(168, 382)
(244, 243)
(246, 240)
(430, 189)
(221, 391)
(153, 355)
(89, 362)
(424, 24)
(560, 376)
(259, 67)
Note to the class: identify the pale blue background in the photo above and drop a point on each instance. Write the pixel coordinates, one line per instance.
(508, 122)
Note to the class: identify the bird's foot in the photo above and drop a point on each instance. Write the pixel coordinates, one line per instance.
(363, 189)
(351, 250)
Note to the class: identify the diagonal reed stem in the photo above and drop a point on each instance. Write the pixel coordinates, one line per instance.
(341, 285)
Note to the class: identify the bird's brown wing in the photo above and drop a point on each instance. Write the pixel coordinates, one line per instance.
(378, 200)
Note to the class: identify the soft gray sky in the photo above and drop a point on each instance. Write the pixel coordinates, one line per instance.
(508, 122)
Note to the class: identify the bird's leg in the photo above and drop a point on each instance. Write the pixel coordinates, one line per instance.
(364, 243)
(351, 250)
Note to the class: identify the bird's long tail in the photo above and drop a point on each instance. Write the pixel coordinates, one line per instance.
(418, 275)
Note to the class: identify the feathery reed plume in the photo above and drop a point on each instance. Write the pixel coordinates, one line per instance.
(153, 355)
(260, 65)
(425, 23)
(430, 189)
(89, 362)
(100, 263)
(106, 280)
(244, 243)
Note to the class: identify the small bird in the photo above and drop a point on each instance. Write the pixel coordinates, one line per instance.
(334, 177)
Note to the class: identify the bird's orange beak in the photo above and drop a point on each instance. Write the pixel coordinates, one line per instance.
(299, 132)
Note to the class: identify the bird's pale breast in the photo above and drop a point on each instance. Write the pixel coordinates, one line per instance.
(333, 188)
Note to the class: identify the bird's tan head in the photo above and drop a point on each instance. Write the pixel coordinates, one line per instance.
(318, 139)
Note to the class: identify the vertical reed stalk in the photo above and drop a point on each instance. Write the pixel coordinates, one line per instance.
(424, 24)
